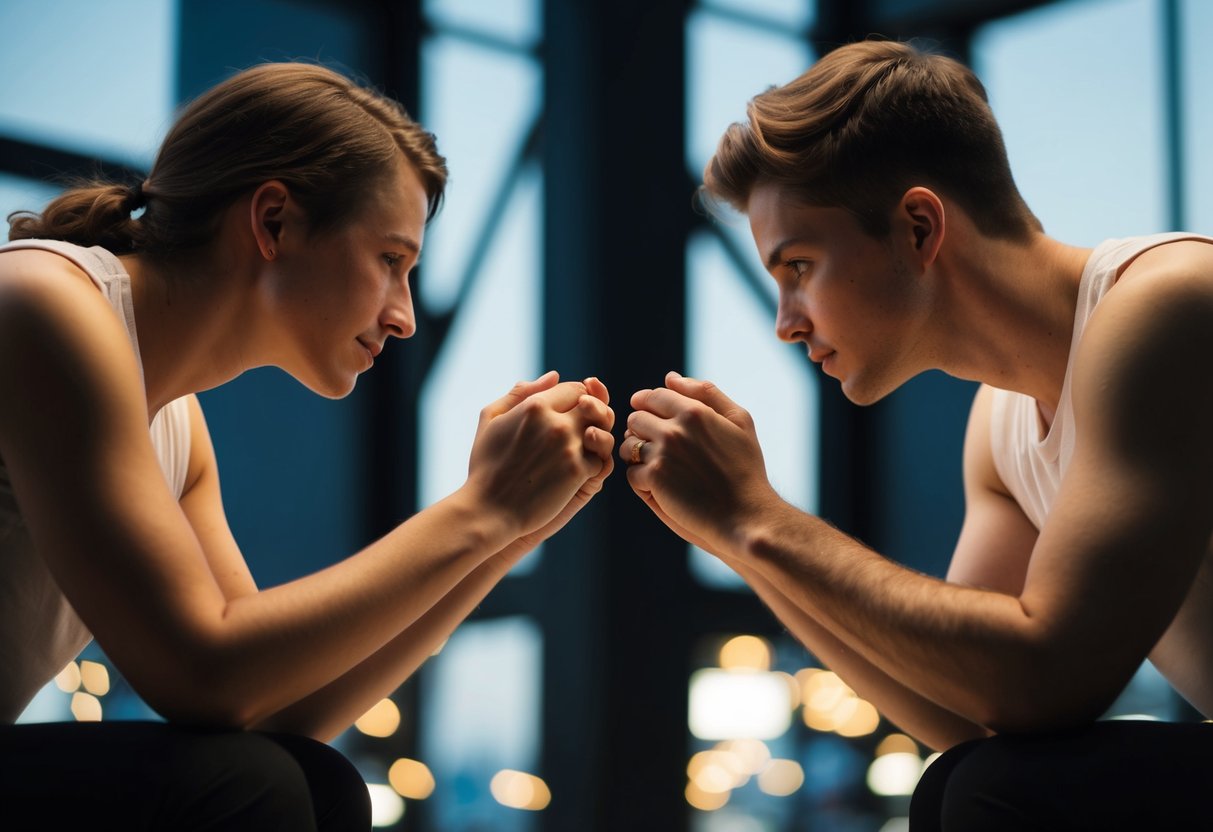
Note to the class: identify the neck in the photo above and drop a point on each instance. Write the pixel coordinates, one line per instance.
(1007, 312)
(192, 324)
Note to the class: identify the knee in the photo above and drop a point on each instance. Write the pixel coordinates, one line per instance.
(986, 790)
(339, 795)
(243, 781)
(926, 805)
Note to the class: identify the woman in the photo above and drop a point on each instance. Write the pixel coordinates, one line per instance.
(280, 222)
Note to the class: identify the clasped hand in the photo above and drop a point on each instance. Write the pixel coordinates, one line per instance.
(693, 457)
(544, 449)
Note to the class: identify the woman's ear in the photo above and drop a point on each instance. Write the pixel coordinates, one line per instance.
(267, 208)
(922, 223)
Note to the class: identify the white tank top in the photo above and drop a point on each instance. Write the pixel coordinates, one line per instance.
(1031, 466)
(39, 630)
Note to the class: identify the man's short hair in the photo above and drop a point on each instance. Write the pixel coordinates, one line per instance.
(863, 125)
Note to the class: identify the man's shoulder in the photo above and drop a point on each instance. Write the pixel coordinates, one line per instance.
(1166, 283)
(1152, 331)
(1174, 264)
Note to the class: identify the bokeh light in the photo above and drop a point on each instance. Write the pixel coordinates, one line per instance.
(387, 808)
(381, 720)
(68, 679)
(781, 778)
(745, 653)
(895, 774)
(86, 707)
(95, 677)
(411, 778)
(520, 790)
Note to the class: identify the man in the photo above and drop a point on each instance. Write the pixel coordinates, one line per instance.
(881, 201)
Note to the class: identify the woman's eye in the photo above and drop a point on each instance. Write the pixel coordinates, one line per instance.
(393, 260)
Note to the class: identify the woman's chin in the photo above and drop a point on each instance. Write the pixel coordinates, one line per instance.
(335, 387)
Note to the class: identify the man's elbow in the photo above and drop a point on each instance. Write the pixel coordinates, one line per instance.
(1046, 708)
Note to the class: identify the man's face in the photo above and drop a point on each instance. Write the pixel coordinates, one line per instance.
(852, 299)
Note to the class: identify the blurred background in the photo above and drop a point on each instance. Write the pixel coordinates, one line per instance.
(616, 680)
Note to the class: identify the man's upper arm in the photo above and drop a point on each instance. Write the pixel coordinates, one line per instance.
(996, 539)
(1132, 519)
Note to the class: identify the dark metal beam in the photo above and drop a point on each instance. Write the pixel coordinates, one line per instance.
(59, 165)
(909, 16)
(1173, 104)
(617, 591)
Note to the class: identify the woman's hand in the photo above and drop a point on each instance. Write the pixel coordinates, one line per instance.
(598, 441)
(542, 451)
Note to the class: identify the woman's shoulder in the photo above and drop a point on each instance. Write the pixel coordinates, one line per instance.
(41, 266)
(55, 321)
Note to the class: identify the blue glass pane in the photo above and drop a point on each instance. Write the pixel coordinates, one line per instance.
(493, 343)
(480, 714)
(516, 21)
(731, 340)
(1076, 87)
(1197, 26)
(95, 77)
(727, 65)
(20, 194)
(797, 15)
(480, 104)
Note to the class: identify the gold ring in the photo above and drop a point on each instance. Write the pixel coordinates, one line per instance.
(640, 443)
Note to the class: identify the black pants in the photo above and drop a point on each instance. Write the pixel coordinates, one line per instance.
(1131, 775)
(155, 776)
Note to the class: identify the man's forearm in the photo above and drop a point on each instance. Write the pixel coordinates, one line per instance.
(967, 650)
(937, 727)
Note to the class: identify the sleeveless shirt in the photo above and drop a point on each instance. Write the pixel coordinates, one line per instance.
(39, 630)
(1031, 466)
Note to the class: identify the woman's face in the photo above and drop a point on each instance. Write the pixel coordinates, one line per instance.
(340, 295)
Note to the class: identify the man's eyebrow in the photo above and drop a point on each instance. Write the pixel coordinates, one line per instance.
(405, 240)
(776, 255)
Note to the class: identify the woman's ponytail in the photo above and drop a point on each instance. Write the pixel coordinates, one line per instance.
(328, 139)
(93, 213)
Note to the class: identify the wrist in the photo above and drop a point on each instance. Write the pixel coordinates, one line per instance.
(492, 527)
(758, 537)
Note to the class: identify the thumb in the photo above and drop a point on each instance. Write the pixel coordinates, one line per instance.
(520, 392)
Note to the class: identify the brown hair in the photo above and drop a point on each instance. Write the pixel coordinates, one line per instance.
(328, 138)
(866, 123)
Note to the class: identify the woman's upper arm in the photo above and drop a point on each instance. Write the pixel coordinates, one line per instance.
(202, 503)
(996, 539)
(74, 437)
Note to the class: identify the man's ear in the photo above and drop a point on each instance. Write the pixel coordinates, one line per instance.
(267, 208)
(921, 218)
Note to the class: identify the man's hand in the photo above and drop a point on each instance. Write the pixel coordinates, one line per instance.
(699, 466)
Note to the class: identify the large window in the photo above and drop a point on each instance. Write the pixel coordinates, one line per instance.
(69, 91)
(1103, 105)
(1078, 89)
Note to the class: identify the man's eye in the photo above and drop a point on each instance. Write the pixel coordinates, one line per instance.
(798, 267)
(393, 260)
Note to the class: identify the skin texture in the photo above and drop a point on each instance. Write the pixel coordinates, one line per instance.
(1119, 571)
(160, 582)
